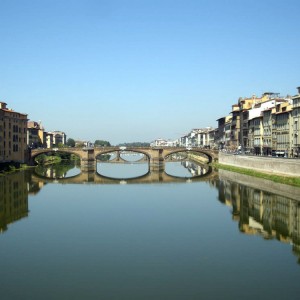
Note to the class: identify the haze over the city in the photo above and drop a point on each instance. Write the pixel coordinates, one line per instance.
(129, 71)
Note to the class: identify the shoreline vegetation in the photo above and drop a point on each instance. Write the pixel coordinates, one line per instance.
(13, 168)
(288, 180)
(43, 160)
(48, 160)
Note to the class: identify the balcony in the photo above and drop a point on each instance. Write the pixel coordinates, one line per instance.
(296, 103)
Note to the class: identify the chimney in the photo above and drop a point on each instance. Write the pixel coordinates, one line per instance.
(298, 88)
(3, 105)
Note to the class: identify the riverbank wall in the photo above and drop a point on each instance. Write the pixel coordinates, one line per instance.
(270, 165)
(269, 186)
(198, 158)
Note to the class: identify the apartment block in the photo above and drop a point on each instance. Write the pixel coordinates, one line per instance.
(282, 120)
(235, 133)
(35, 135)
(223, 132)
(295, 138)
(13, 135)
(58, 137)
(163, 143)
(266, 125)
(202, 137)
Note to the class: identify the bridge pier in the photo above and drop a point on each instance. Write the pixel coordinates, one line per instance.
(157, 162)
(88, 176)
(118, 156)
(88, 161)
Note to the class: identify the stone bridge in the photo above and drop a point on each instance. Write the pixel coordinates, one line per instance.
(156, 155)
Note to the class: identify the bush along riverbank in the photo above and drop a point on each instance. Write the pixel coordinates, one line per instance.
(294, 181)
(11, 167)
(44, 159)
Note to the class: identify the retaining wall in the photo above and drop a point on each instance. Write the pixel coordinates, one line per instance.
(269, 186)
(273, 165)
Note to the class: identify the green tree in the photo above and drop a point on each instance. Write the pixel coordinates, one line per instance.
(102, 143)
(71, 142)
(41, 158)
(61, 145)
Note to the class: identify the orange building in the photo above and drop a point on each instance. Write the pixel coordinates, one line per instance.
(13, 135)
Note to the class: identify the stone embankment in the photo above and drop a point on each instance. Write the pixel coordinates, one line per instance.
(198, 158)
(271, 165)
(269, 186)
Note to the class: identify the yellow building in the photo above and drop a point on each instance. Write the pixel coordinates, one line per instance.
(13, 199)
(252, 129)
(35, 135)
(245, 105)
(13, 135)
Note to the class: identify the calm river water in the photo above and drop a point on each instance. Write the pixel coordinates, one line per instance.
(131, 234)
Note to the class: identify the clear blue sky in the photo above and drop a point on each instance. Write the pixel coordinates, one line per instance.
(136, 70)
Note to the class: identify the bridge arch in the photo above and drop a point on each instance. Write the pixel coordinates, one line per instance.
(207, 174)
(36, 152)
(206, 153)
(156, 155)
(101, 152)
(62, 179)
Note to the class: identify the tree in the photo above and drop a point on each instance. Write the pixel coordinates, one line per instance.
(71, 142)
(60, 145)
(102, 143)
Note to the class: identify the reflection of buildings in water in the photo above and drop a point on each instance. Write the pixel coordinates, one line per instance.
(260, 212)
(13, 199)
(57, 171)
(34, 187)
(194, 168)
(53, 173)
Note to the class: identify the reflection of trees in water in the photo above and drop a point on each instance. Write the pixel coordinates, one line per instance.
(55, 170)
(258, 212)
(104, 157)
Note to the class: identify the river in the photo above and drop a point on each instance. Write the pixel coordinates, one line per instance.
(124, 233)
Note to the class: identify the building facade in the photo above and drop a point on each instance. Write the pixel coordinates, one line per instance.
(296, 125)
(35, 135)
(266, 125)
(13, 135)
(59, 137)
(282, 136)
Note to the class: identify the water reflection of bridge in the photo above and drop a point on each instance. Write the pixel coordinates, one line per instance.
(259, 206)
(149, 177)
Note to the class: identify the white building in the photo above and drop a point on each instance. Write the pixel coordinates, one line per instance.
(163, 143)
(59, 137)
